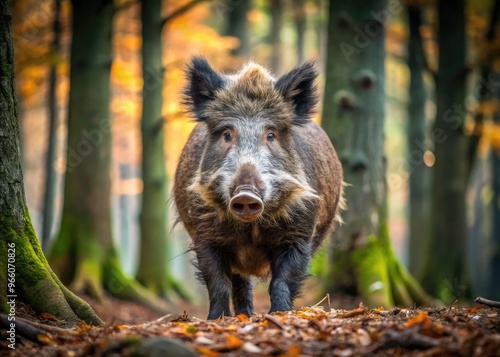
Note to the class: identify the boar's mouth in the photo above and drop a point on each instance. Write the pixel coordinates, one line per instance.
(246, 204)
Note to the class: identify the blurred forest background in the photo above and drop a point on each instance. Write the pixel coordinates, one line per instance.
(120, 117)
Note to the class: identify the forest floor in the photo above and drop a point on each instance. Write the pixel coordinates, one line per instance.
(132, 330)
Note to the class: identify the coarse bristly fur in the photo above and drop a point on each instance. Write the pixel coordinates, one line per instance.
(255, 133)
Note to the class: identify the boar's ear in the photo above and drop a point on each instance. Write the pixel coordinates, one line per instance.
(202, 83)
(297, 86)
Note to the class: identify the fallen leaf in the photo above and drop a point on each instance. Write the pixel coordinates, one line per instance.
(473, 310)
(204, 351)
(45, 339)
(233, 342)
(242, 317)
(359, 311)
(420, 319)
(251, 348)
(294, 351)
(183, 329)
(47, 316)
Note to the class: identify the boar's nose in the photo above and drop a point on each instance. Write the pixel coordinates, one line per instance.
(246, 205)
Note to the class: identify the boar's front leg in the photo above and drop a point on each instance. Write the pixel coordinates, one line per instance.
(215, 272)
(288, 269)
(242, 295)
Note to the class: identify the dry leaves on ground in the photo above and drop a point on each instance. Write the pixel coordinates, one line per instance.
(306, 332)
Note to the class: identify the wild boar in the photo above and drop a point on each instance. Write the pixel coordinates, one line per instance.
(258, 185)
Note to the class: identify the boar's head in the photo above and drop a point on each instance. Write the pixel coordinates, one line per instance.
(250, 169)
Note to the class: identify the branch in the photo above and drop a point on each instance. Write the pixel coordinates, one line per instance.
(22, 328)
(180, 11)
(490, 303)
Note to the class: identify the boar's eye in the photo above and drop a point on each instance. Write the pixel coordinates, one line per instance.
(227, 136)
(270, 137)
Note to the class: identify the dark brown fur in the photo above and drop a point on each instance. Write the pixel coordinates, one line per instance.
(296, 218)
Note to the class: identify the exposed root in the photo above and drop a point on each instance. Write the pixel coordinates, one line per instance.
(383, 280)
(127, 288)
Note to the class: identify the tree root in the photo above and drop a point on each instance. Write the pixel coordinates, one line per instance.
(383, 280)
(127, 288)
(40, 287)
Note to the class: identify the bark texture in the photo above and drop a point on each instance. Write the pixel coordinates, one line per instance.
(418, 217)
(83, 253)
(153, 271)
(34, 280)
(447, 278)
(362, 260)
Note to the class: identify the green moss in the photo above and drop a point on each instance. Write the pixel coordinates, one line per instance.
(372, 274)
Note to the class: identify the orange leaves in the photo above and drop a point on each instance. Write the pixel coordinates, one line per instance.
(183, 329)
(46, 339)
(205, 351)
(420, 319)
(233, 342)
(47, 316)
(242, 317)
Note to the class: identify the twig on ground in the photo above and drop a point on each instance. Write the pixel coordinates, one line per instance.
(327, 296)
(490, 303)
(358, 311)
(23, 328)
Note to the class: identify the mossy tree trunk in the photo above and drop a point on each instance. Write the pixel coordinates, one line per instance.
(83, 253)
(153, 272)
(447, 278)
(20, 250)
(419, 179)
(362, 260)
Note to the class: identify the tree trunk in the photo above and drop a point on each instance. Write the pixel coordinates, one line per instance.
(320, 29)
(32, 279)
(50, 173)
(493, 265)
(484, 84)
(362, 259)
(237, 26)
(83, 253)
(446, 278)
(418, 171)
(494, 261)
(275, 35)
(299, 14)
(152, 272)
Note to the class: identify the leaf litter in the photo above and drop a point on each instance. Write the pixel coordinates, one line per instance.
(311, 331)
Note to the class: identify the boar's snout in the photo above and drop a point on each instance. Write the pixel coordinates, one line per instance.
(246, 205)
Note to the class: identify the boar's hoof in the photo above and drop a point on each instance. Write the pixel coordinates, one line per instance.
(246, 206)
